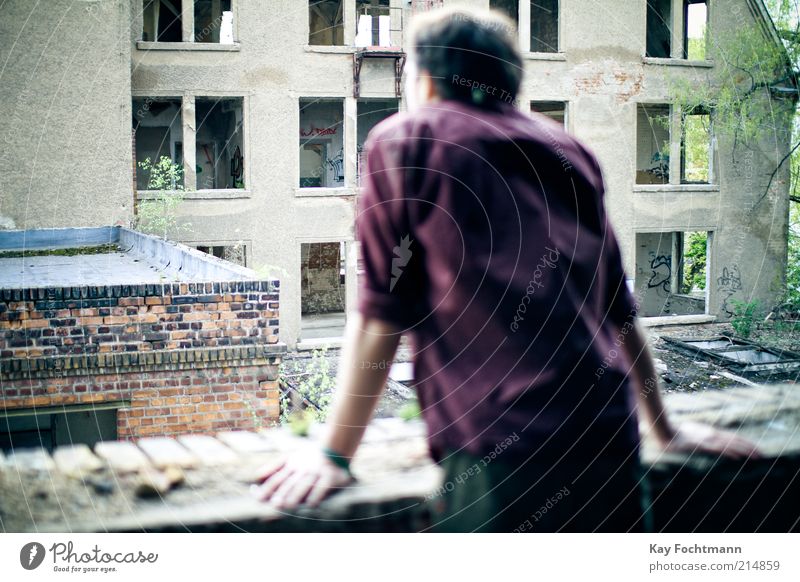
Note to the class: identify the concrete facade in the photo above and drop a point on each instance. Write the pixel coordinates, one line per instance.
(65, 87)
(599, 71)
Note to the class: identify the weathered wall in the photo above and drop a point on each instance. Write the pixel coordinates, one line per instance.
(65, 158)
(603, 76)
(600, 72)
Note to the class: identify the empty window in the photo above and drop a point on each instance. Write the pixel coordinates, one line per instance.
(695, 19)
(659, 28)
(213, 21)
(555, 110)
(58, 426)
(326, 22)
(696, 147)
(236, 253)
(161, 21)
(321, 143)
(157, 134)
(509, 7)
(219, 155)
(544, 26)
(671, 271)
(370, 112)
(373, 22)
(322, 284)
(652, 144)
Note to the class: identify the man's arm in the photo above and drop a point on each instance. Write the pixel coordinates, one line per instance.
(310, 477)
(369, 349)
(689, 436)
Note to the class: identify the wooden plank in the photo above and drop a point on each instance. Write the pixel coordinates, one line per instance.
(122, 456)
(208, 450)
(245, 442)
(166, 452)
(30, 460)
(76, 460)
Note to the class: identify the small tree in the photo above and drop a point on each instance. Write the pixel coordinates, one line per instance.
(159, 215)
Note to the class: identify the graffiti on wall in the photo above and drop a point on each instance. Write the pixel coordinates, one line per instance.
(661, 272)
(728, 284)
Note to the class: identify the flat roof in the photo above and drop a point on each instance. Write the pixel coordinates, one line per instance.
(78, 257)
(82, 270)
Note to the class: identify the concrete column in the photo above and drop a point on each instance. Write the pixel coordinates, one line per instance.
(524, 17)
(350, 277)
(137, 20)
(349, 22)
(187, 20)
(398, 21)
(189, 143)
(676, 125)
(349, 126)
(677, 29)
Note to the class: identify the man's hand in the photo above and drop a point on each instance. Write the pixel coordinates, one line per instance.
(693, 436)
(305, 476)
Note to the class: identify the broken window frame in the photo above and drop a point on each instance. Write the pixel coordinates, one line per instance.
(524, 30)
(360, 158)
(529, 21)
(659, 23)
(189, 143)
(187, 25)
(677, 161)
(674, 285)
(347, 270)
(679, 37)
(697, 111)
(197, 125)
(661, 159)
(347, 108)
(685, 44)
(551, 109)
(313, 5)
(177, 148)
(391, 8)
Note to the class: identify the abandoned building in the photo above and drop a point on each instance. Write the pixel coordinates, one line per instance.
(266, 108)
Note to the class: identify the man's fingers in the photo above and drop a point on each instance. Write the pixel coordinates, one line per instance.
(269, 469)
(272, 483)
(321, 488)
(286, 489)
(299, 490)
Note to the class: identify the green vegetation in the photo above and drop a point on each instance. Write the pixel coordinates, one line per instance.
(750, 100)
(744, 315)
(694, 254)
(410, 410)
(309, 399)
(159, 215)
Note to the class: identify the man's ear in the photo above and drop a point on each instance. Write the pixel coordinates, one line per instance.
(426, 87)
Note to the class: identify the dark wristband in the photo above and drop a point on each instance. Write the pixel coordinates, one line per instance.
(337, 459)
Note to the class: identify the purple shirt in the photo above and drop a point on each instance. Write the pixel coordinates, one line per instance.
(485, 237)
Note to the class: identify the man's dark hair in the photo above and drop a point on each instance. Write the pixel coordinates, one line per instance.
(471, 56)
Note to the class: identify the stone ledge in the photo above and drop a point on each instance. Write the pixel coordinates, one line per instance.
(397, 479)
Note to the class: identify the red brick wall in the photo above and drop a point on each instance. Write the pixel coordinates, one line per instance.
(146, 317)
(178, 358)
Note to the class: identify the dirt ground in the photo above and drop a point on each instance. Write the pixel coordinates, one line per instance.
(680, 372)
(686, 373)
